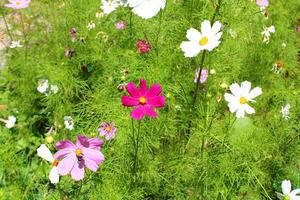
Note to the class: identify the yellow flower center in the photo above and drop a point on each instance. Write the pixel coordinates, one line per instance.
(18, 3)
(286, 197)
(78, 152)
(243, 100)
(203, 41)
(142, 100)
(55, 163)
(108, 128)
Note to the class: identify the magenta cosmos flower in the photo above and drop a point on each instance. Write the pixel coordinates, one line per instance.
(143, 46)
(75, 157)
(108, 130)
(143, 100)
(18, 4)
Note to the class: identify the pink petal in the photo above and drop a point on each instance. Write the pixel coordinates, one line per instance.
(129, 101)
(158, 101)
(82, 141)
(63, 153)
(93, 154)
(77, 172)
(143, 87)
(95, 143)
(65, 165)
(92, 165)
(65, 144)
(138, 113)
(150, 112)
(154, 90)
(132, 90)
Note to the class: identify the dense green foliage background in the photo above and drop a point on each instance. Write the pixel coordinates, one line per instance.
(222, 158)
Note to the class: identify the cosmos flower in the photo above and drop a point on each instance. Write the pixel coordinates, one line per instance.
(46, 154)
(43, 86)
(204, 75)
(15, 44)
(68, 121)
(143, 100)
(109, 6)
(54, 89)
(207, 39)
(108, 130)
(91, 25)
(10, 122)
(143, 46)
(285, 111)
(277, 66)
(120, 25)
(240, 97)
(146, 8)
(262, 3)
(267, 33)
(75, 157)
(73, 34)
(18, 4)
(287, 193)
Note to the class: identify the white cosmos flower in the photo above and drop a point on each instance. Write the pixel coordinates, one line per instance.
(207, 39)
(45, 153)
(43, 86)
(68, 121)
(54, 89)
(10, 122)
(287, 193)
(285, 111)
(109, 6)
(238, 100)
(15, 44)
(91, 25)
(146, 8)
(267, 33)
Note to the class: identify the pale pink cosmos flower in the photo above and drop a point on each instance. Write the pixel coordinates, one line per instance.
(143, 100)
(262, 3)
(75, 157)
(204, 75)
(108, 130)
(18, 4)
(120, 25)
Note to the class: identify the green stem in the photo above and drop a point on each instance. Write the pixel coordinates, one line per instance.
(136, 149)
(6, 26)
(158, 33)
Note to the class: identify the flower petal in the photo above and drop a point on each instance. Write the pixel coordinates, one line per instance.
(248, 109)
(150, 112)
(93, 154)
(295, 192)
(132, 90)
(65, 165)
(245, 87)
(158, 101)
(95, 143)
(92, 165)
(65, 144)
(233, 107)
(216, 27)
(190, 49)
(45, 153)
(229, 97)
(154, 90)
(254, 93)
(205, 28)
(240, 112)
(138, 113)
(53, 175)
(82, 141)
(143, 87)
(63, 153)
(77, 172)
(286, 187)
(235, 89)
(193, 35)
(129, 101)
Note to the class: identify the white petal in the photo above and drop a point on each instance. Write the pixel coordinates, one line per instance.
(286, 186)
(53, 175)
(246, 87)
(254, 93)
(134, 3)
(190, 49)
(229, 97)
(149, 8)
(233, 107)
(216, 27)
(193, 34)
(279, 195)
(295, 192)
(45, 153)
(240, 112)
(248, 109)
(205, 28)
(235, 89)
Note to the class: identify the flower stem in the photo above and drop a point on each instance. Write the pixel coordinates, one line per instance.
(136, 149)
(6, 26)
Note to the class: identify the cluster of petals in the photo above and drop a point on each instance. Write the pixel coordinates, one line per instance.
(143, 100)
(287, 192)
(18, 4)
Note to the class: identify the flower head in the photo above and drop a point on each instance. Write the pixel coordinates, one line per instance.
(207, 39)
(15, 44)
(91, 25)
(146, 8)
(240, 97)
(262, 3)
(109, 6)
(267, 33)
(68, 121)
(203, 77)
(73, 34)
(43, 86)
(75, 157)
(143, 100)
(18, 4)
(143, 46)
(285, 111)
(120, 25)
(108, 130)
(287, 193)
(45, 153)
(10, 122)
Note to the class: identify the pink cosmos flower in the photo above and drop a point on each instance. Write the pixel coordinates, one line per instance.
(262, 3)
(204, 75)
(18, 4)
(298, 28)
(120, 25)
(143, 46)
(108, 130)
(143, 100)
(75, 157)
